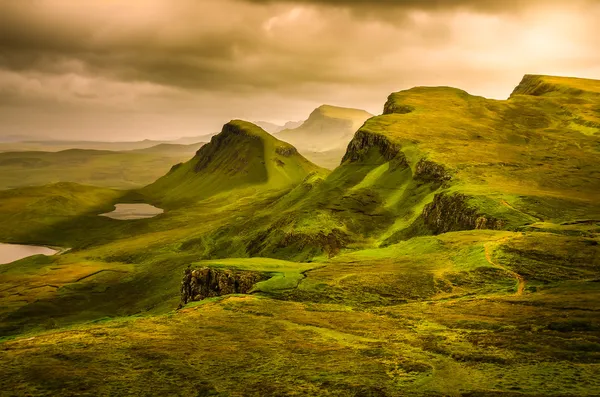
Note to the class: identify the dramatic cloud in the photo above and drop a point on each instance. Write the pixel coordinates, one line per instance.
(166, 68)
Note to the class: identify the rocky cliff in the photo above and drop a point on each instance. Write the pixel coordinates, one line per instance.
(363, 141)
(428, 171)
(207, 282)
(452, 212)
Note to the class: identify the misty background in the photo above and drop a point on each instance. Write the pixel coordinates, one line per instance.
(163, 69)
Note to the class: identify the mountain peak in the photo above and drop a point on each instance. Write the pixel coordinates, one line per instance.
(337, 112)
(242, 155)
(241, 127)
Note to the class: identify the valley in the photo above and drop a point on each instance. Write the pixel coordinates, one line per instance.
(453, 249)
(127, 169)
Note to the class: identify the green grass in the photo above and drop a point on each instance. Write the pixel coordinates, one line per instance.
(243, 156)
(364, 299)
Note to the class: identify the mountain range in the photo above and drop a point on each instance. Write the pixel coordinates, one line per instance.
(454, 251)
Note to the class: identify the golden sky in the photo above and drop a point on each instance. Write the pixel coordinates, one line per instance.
(127, 70)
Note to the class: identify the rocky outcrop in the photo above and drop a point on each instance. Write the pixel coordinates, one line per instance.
(207, 282)
(428, 171)
(363, 141)
(285, 151)
(391, 107)
(330, 243)
(301, 246)
(452, 212)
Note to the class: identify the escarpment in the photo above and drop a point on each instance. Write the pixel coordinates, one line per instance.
(363, 141)
(286, 151)
(452, 212)
(207, 282)
(391, 107)
(301, 246)
(428, 171)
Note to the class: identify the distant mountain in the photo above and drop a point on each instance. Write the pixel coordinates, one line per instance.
(15, 138)
(188, 140)
(116, 169)
(272, 128)
(324, 136)
(243, 155)
(18, 145)
(292, 124)
(59, 145)
(172, 149)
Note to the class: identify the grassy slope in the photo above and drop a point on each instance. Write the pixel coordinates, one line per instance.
(428, 317)
(242, 157)
(474, 313)
(122, 170)
(323, 137)
(519, 160)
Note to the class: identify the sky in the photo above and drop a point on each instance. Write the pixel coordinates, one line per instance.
(161, 69)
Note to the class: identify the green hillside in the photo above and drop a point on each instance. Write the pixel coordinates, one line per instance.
(454, 252)
(242, 157)
(323, 137)
(122, 170)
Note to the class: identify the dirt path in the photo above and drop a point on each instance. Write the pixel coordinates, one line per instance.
(517, 276)
(507, 204)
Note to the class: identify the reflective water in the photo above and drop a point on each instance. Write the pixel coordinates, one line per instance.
(13, 252)
(133, 211)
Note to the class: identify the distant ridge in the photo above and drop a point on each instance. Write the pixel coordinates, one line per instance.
(323, 137)
(273, 128)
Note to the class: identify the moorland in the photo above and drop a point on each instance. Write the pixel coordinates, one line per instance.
(453, 251)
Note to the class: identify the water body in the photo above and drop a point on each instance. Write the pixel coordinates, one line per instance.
(133, 211)
(13, 252)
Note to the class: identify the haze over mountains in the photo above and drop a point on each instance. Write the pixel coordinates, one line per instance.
(324, 136)
(22, 144)
(272, 128)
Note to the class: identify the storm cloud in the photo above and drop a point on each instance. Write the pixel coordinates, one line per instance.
(116, 69)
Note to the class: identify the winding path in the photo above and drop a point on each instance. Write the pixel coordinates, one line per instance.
(488, 255)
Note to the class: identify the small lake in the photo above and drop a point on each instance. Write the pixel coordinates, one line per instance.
(133, 211)
(13, 252)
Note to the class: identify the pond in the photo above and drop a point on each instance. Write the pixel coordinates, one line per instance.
(133, 211)
(13, 252)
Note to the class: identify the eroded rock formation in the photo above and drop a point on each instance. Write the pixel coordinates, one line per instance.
(285, 151)
(207, 282)
(363, 141)
(391, 107)
(452, 212)
(428, 171)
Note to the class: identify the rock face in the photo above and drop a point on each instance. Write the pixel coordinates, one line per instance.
(272, 241)
(206, 282)
(285, 151)
(390, 108)
(428, 171)
(363, 141)
(451, 212)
